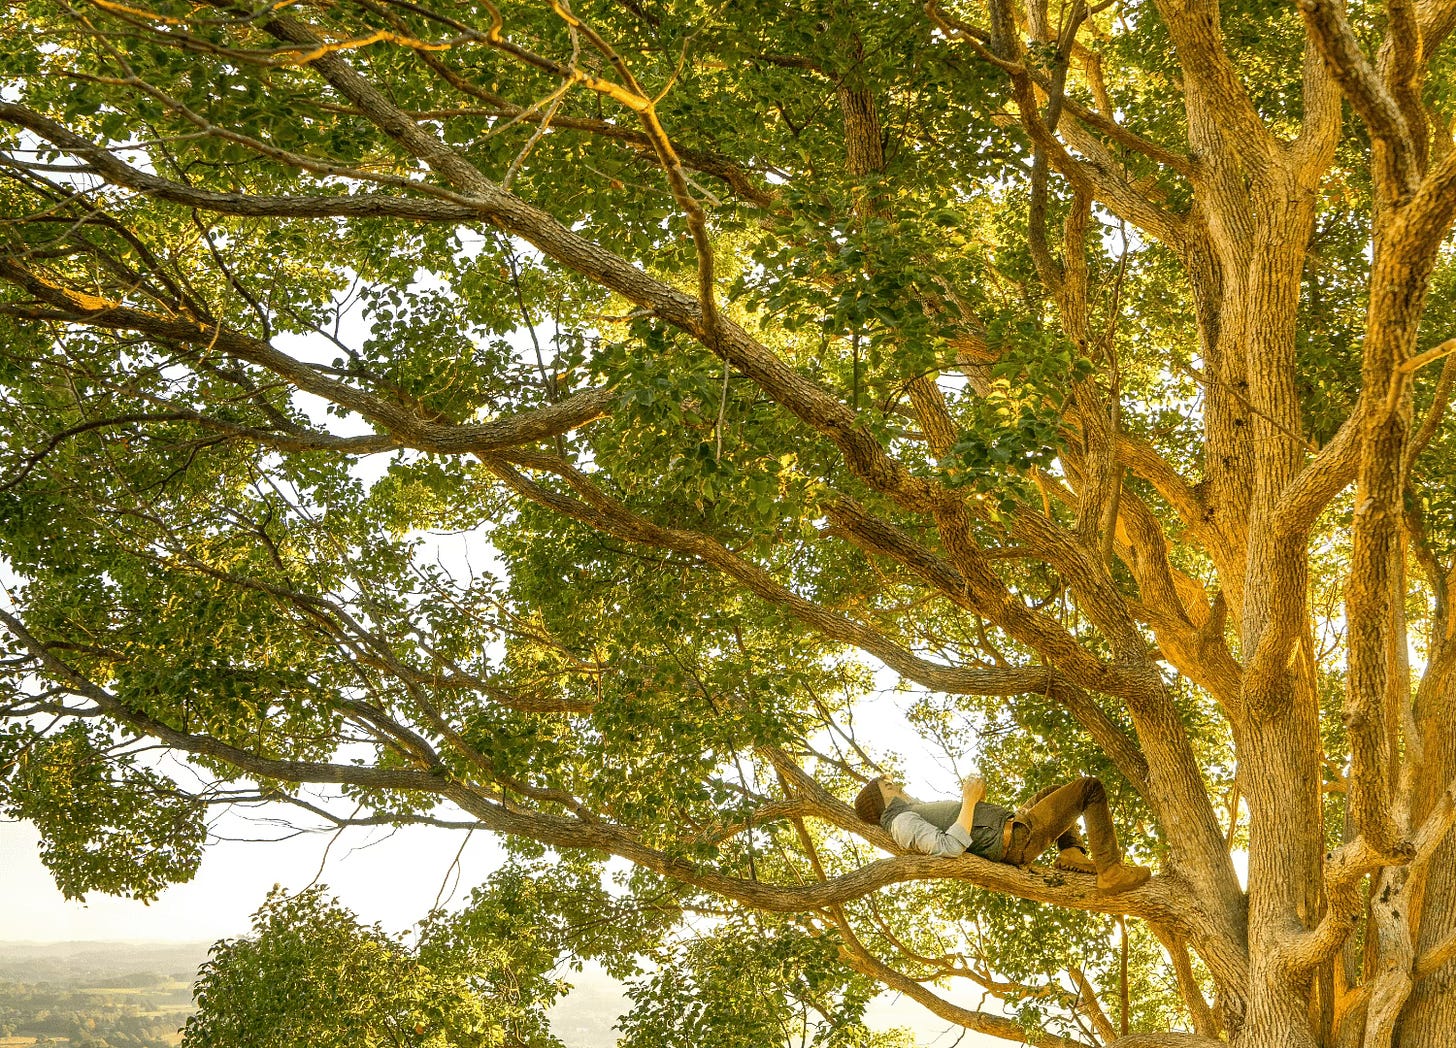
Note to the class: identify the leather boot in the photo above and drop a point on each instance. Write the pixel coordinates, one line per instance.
(1122, 878)
(1113, 875)
(1075, 859)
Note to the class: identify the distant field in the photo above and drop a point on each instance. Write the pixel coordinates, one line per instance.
(65, 993)
(173, 989)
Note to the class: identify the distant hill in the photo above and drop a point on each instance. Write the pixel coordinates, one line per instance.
(583, 1020)
(97, 993)
(78, 964)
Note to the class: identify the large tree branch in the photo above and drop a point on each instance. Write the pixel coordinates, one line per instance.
(1197, 649)
(1330, 29)
(603, 513)
(405, 423)
(1327, 474)
(1148, 463)
(1319, 133)
(971, 584)
(1403, 72)
(1426, 220)
(1211, 81)
(1104, 125)
(1154, 900)
(105, 163)
(1434, 959)
(1156, 716)
(1090, 581)
(1138, 203)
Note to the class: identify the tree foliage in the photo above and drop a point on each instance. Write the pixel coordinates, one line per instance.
(561, 421)
(312, 974)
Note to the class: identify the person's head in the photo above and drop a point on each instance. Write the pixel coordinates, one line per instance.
(875, 797)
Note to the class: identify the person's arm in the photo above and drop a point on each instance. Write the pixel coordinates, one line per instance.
(915, 834)
(973, 792)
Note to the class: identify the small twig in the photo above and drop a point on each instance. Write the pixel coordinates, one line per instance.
(553, 105)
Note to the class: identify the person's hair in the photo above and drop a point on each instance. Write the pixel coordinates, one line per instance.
(870, 804)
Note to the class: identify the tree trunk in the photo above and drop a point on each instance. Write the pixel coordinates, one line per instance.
(1429, 1017)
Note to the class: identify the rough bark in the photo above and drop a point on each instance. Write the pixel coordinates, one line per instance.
(1430, 1012)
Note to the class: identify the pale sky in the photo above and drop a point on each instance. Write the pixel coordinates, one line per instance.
(390, 877)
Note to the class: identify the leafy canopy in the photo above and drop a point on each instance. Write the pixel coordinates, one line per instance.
(565, 421)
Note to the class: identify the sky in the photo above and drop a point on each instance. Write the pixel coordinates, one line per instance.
(392, 877)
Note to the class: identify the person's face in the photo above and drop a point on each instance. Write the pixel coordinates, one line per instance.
(890, 789)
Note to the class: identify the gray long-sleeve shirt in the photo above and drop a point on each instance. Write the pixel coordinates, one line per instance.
(929, 828)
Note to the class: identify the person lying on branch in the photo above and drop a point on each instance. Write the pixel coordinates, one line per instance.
(1002, 835)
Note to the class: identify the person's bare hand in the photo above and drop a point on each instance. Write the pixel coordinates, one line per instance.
(973, 790)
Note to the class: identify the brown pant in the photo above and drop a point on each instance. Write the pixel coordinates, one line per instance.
(1052, 816)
